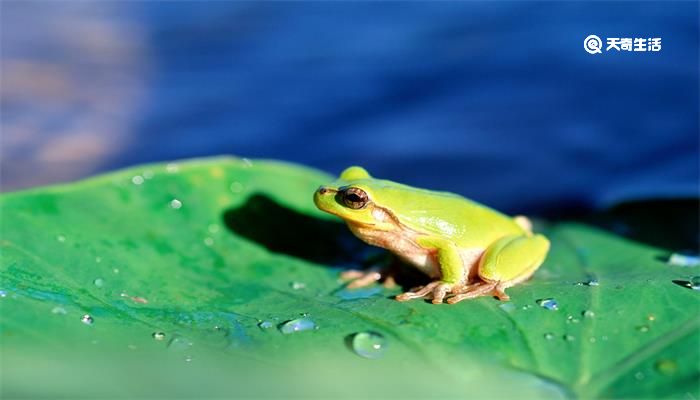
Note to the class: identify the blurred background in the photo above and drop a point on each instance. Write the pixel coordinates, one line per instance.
(497, 101)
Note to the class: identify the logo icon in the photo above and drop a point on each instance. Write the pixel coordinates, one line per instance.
(592, 44)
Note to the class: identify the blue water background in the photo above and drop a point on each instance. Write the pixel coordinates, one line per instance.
(497, 101)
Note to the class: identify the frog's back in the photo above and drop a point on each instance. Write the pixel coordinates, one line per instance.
(463, 221)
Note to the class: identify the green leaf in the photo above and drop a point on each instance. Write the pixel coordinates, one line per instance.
(204, 251)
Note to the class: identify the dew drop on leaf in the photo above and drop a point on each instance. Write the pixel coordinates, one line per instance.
(99, 282)
(179, 343)
(643, 328)
(507, 307)
(297, 325)
(666, 367)
(158, 335)
(684, 260)
(172, 168)
(549, 304)
(369, 344)
(589, 282)
(695, 283)
(569, 338)
(548, 336)
(265, 324)
(175, 204)
(137, 180)
(588, 314)
(58, 310)
(87, 319)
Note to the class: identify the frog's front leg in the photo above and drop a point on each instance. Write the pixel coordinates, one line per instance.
(452, 272)
(507, 262)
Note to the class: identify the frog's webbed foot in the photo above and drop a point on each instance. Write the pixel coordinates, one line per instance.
(359, 279)
(436, 290)
(478, 290)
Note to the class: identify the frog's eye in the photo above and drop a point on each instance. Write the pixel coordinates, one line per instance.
(354, 198)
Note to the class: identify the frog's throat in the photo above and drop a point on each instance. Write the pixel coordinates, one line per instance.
(384, 220)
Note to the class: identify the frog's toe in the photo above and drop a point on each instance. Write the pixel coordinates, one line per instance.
(365, 280)
(421, 292)
(478, 290)
(441, 291)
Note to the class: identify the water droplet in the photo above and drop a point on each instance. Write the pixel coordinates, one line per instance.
(58, 310)
(148, 174)
(684, 260)
(158, 335)
(571, 320)
(179, 343)
(3, 293)
(507, 307)
(172, 168)
(651, 317)
(643, 328)
(188, 358)
(115, 270)
(527, 307)
(569, 338)
(297, 285)
(99, 282)
(549, 304)
(208, 241)
(214, 228)
(369, 344)
(265, 324)
(549, 336)
(175, 204)
(87, 319)
(591, 339)
(666, 367)
(98, 259)
(695, 283)
(605, 338)
(137, 180)
(639, 376)
(236, 187)
(589, 282)
(61, 238)
(297, 325)
(588, 314)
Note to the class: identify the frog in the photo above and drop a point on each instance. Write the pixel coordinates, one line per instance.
(467, 249)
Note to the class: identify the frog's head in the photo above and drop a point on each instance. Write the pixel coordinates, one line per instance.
(352, 198)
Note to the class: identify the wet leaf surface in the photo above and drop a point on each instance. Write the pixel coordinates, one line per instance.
(218, 277)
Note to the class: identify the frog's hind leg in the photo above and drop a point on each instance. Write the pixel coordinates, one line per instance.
(507, 262)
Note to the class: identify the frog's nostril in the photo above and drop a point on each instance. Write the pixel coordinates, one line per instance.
(322, 190)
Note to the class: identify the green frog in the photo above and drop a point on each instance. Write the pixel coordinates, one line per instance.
(468, 249)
